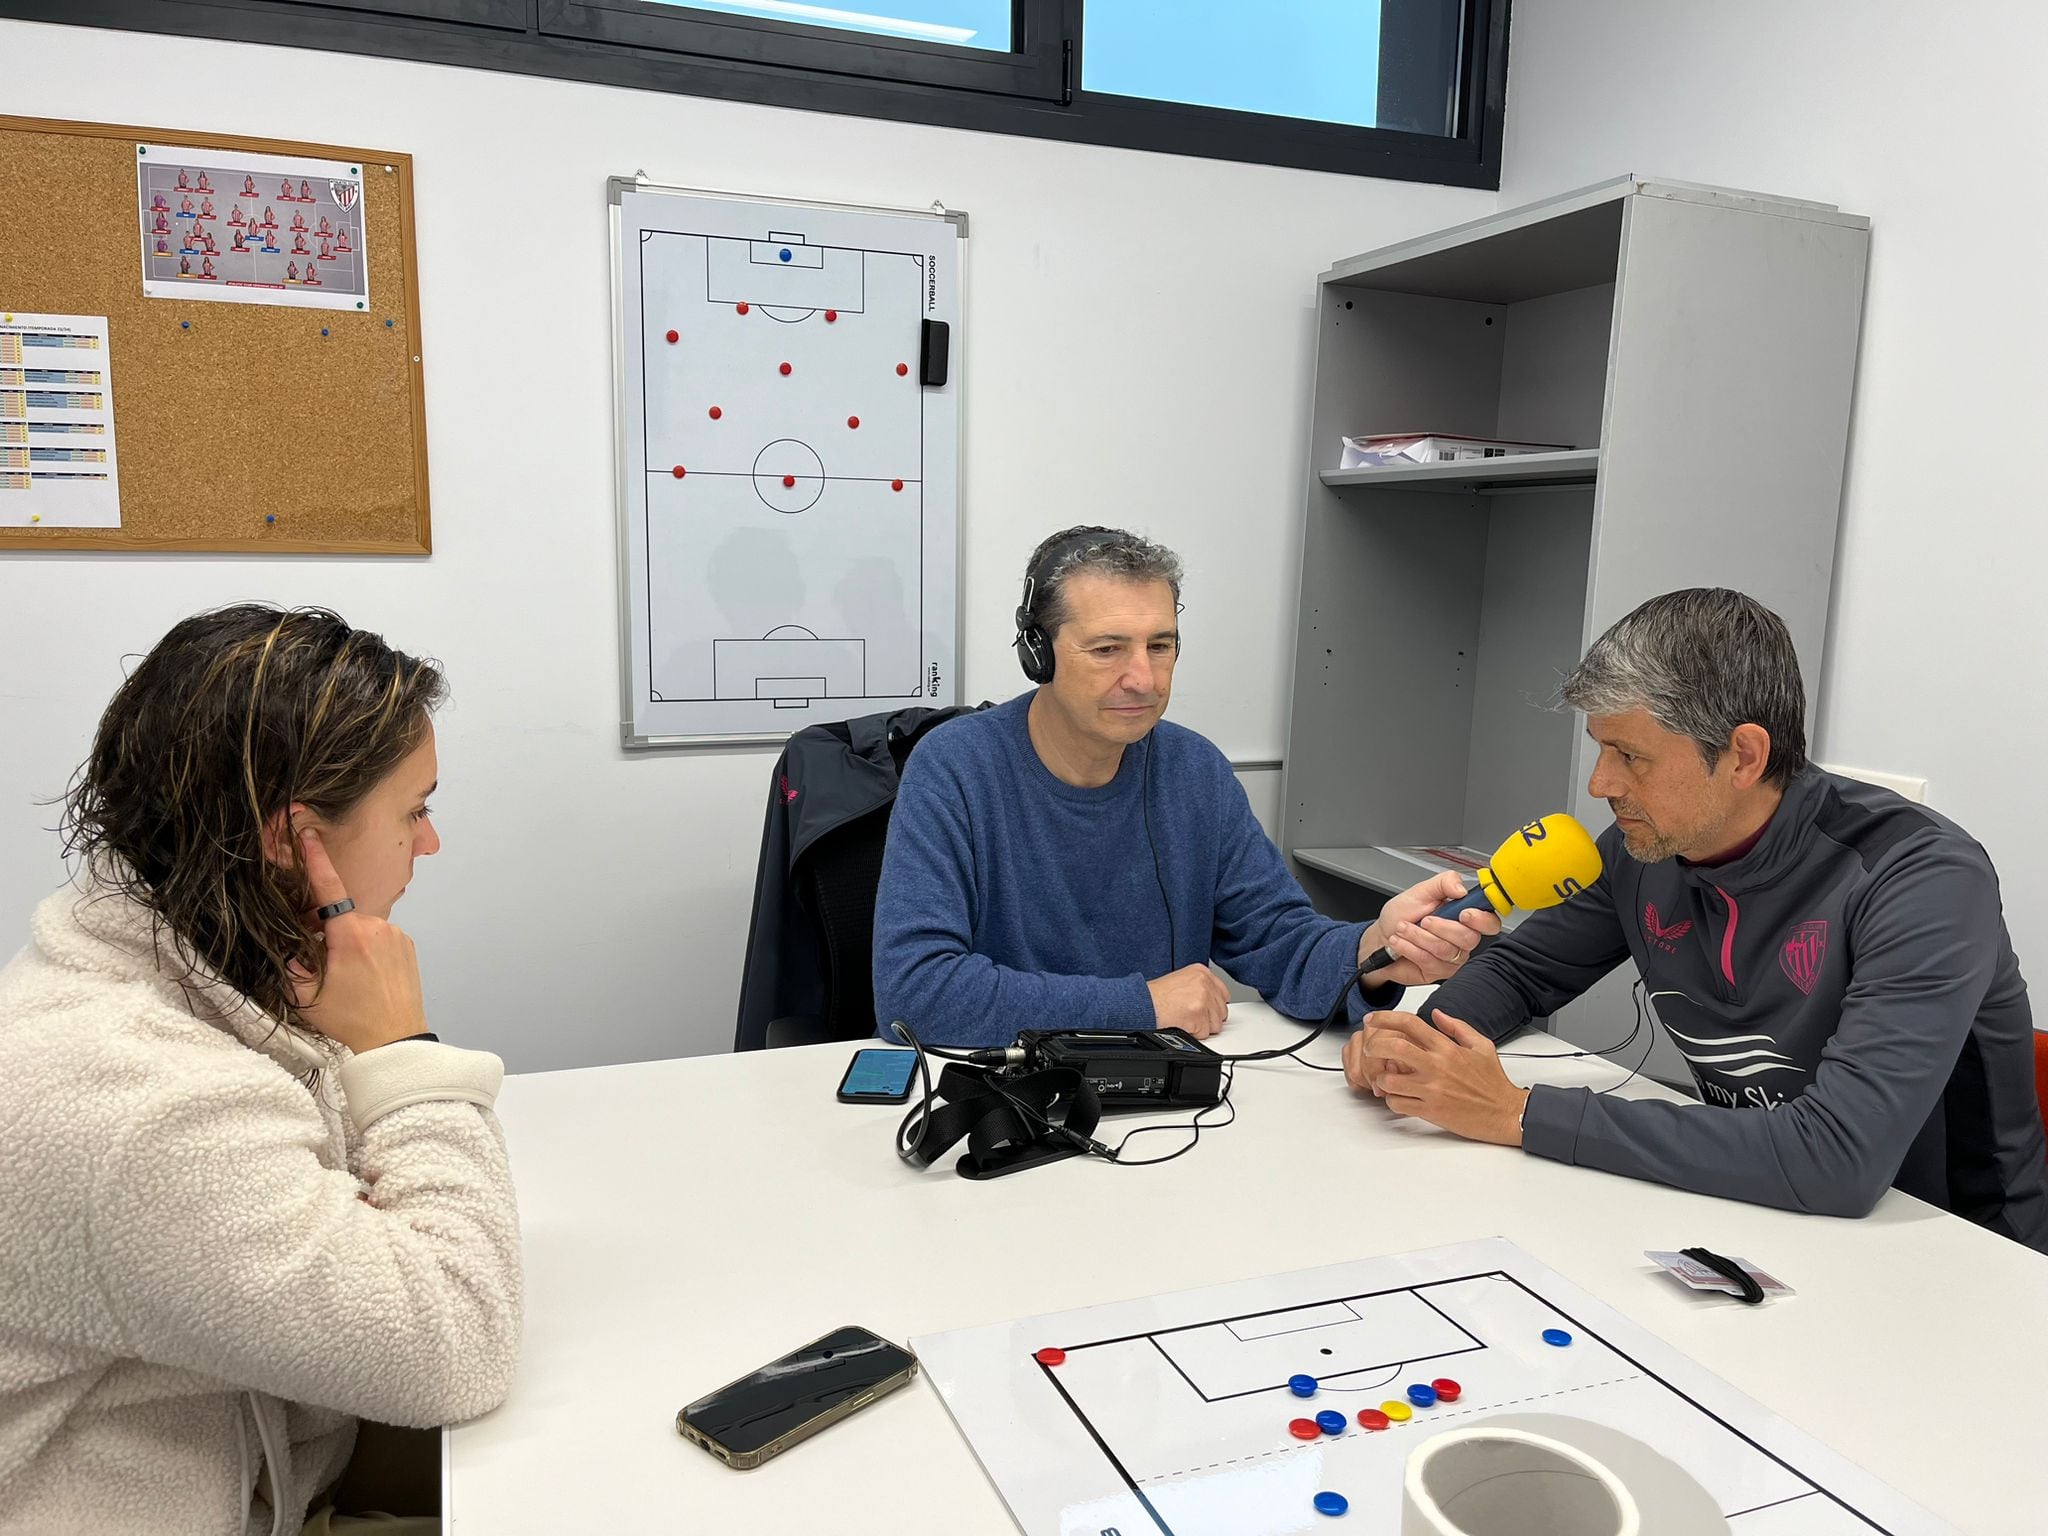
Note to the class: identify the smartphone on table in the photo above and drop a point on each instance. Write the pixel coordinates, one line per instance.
(767, 1411)
(877, 1075)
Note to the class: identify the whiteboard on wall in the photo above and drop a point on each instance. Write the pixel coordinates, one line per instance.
(789, 462)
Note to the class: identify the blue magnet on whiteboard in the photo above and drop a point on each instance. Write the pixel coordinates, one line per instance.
(1331, 1422)
(1422, 1396)
(1302, 1386)
(1556, 1336)
(1331, 1503)
(786, 256)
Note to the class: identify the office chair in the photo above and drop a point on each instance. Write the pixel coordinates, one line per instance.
(836, 881)
(2041, 1070)
(808, 975)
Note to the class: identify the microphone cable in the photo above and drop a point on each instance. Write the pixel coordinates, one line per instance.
(1316, 1030)
(1635, 993)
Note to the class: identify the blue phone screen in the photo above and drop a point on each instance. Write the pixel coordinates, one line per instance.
(879, 1072)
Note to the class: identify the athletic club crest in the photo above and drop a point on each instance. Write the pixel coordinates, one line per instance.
(344, 193)
(1804, 952)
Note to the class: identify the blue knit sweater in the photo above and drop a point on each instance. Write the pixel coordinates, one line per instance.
(1012, 900)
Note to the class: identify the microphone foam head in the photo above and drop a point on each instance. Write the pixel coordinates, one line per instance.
(1546, 862)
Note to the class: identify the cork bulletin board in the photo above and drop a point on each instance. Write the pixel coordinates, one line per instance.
(292, 422)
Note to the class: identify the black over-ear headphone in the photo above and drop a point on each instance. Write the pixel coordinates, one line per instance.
(1034, 646)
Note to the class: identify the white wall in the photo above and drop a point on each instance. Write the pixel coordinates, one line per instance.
(1926, 118)
(1136, 351)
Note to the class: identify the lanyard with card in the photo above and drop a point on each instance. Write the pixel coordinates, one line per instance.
(1704, 1271)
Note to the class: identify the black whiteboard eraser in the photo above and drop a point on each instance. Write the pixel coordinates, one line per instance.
(934, 351)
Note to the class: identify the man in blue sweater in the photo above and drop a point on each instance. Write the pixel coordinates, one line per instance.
(1831, 959)
(1068, 861)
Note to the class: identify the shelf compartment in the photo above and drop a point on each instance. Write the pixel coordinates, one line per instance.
(1573, 466)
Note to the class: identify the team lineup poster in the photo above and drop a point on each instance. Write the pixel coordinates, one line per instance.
(251, 229)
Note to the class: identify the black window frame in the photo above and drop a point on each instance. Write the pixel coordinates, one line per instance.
(1034, 90)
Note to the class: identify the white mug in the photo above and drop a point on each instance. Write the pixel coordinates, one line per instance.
(1496, 1481)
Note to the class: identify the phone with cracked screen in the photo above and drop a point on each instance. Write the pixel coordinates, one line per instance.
(765, 1412)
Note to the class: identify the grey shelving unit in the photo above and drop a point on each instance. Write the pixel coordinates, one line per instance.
(1695, 348)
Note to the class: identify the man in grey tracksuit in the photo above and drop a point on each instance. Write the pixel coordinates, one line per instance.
(1831, 958)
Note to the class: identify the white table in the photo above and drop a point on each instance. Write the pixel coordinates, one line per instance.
(688, 1220)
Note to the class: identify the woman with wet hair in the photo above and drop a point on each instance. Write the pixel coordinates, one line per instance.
(247, 1198)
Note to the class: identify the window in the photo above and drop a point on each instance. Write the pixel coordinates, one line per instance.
(1411, 89)
(965, 23)
(1316, 59)
(479, 13)
(1003, 48)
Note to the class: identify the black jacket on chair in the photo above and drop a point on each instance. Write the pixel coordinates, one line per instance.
(810, 949)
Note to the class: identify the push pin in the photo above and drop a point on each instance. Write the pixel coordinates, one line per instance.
(184, 325)
(270, 517)
(323, 330)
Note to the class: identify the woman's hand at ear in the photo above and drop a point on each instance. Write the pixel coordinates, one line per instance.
(368, 992)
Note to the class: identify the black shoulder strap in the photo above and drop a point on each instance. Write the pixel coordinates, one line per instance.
(1010, 1123)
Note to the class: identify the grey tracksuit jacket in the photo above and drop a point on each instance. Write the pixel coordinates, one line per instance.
(1848, 999)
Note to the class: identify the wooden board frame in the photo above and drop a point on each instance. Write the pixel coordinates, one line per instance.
(353, 482)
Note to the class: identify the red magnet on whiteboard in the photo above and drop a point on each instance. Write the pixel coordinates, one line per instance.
(853, 421)
(674, 336)
(740, 308)
(895, 485)
(678, 471)
(902, 370)
(716, 413)
(831, 315)
(1051, 1356)
(785, 370)
(788, 481)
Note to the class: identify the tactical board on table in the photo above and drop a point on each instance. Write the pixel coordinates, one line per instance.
(1170, 1415)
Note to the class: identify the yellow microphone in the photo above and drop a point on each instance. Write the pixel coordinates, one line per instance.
(1542, 864)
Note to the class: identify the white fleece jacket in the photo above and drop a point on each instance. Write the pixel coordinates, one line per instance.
(223, 1241)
